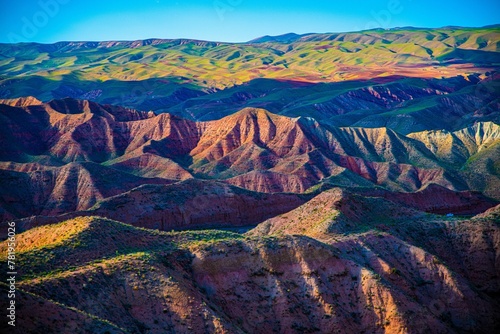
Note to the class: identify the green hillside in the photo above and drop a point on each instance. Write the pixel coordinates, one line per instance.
(316, 57)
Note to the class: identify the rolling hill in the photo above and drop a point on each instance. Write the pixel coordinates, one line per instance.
(159, 74)
(313, 57)
(411, 277)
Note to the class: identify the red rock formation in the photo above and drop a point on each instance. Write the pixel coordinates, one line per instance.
(253, 149)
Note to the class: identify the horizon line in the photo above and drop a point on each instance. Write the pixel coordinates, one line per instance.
(496, 25)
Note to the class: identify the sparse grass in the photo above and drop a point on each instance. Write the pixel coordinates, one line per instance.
(54, 249)
(47, 237)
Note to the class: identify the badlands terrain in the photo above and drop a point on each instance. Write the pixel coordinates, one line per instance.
(318, 183)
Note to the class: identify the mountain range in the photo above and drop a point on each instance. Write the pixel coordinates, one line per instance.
(344, 182)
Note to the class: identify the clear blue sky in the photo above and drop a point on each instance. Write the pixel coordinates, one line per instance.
(49, 21)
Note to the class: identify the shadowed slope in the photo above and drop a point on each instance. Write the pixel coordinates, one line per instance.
(222, 282)
(195, 203)
(183, 205)
(36, 314)
(56, 190)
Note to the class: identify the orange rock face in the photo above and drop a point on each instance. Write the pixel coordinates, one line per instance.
(66, 155)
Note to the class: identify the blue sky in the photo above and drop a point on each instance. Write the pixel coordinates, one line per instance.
(50, 21)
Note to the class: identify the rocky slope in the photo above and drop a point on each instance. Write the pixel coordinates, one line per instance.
(56, 190)
(421, 274)
(460, 243)
(67, 155)
(184, 205)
